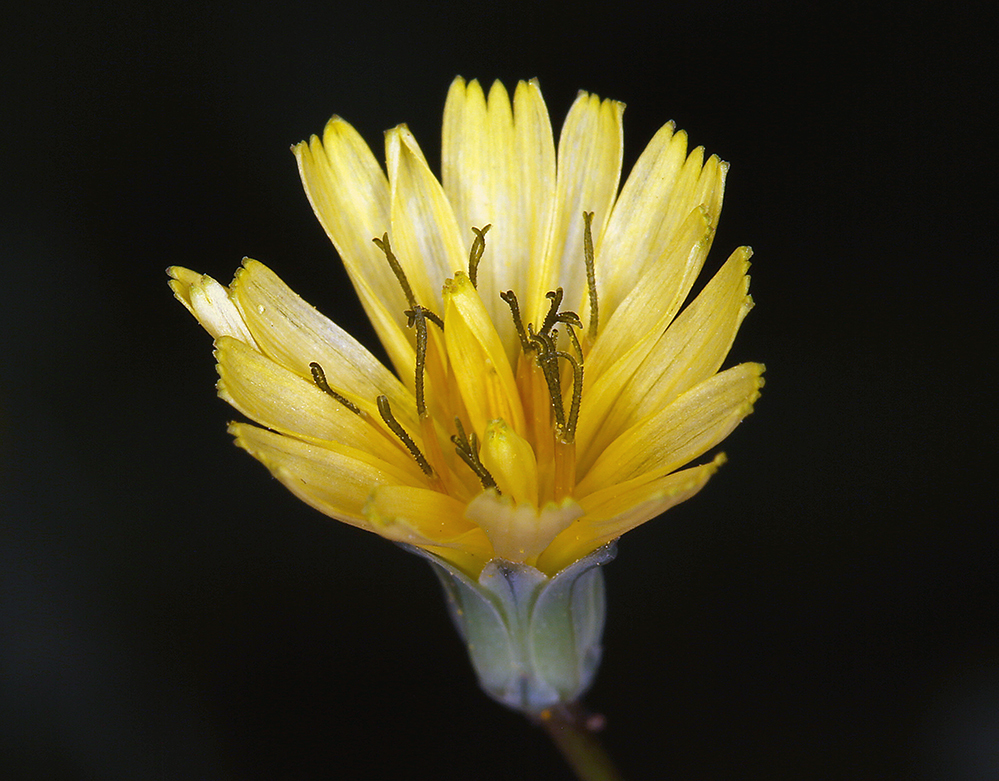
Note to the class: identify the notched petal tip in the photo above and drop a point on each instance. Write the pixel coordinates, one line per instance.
(398, 133)
(181, 281)
(210, 302)
(529, 89)
(315, 141)
(183, 275)
(239, 430)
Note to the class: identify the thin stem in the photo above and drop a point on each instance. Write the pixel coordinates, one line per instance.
(574, 732)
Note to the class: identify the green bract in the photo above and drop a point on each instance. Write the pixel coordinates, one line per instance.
(534, 640)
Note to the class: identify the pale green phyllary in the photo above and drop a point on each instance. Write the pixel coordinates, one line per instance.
(550, 389)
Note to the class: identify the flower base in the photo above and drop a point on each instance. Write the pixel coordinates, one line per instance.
(533, 640)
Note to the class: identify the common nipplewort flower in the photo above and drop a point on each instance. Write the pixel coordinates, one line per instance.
(552, 383)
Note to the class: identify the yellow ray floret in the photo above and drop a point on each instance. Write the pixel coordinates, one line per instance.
(550, 389)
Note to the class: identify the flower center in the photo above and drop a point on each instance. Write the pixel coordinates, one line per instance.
(535, 466)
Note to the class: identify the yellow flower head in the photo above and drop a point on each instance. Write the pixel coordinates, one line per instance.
(548, 386)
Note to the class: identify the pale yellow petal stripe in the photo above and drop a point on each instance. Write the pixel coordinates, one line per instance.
(651, 305)
(284, 402)
(350, 195)
(336, 480)
(641, 230)
(698, 189)
(424, 233)
(690, 351)
(537, 198)
(481, 370)
(498, 168)
(614, 511)
(650, 260)
(671, 437)
(589, 169)
(294, 334)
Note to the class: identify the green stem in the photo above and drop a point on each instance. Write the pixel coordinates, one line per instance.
(575, 734)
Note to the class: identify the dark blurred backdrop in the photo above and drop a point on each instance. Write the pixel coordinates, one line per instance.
(826, 608)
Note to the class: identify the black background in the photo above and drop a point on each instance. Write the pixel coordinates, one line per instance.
(826, 608)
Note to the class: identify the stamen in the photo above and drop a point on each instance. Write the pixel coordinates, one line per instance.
(475, 254)
(591, 276)
(432, 316)
(555, 296)
(319, 377)
(468, 450)
(569, 431)
(510, 297)
(393, 261)
(570, 318)
(548, 363)
(572, 335)
(418, 318)
(399, 431)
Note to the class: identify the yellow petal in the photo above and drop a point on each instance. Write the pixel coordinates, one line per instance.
(350, 195)
(613, 511)
(624, 506)
(510, 460)
(671, 437)
(421, 516)
(589, 168)
(424, 233)
(184, 276)
(481, 369)
(209, 302)
(284, 402)
(633, 331)
(429, 520)
(280, 399)
(700, 183)
(650, 304)
(294, 334)
(520, 532)
(334, 479)
(689, 352)
(637, 235)
(498, 168)
(180, 283)
(697, 342)
(696, 196)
